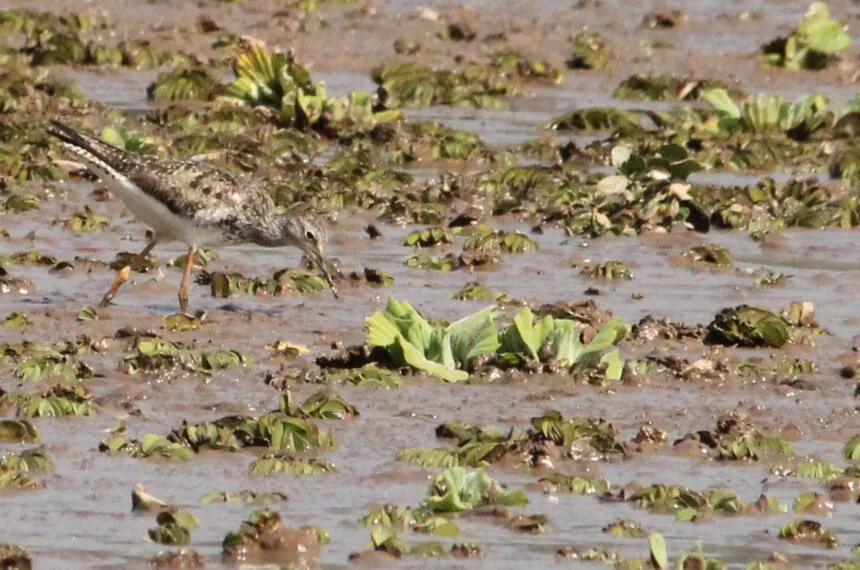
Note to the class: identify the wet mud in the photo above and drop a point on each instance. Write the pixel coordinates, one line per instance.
(82, 517)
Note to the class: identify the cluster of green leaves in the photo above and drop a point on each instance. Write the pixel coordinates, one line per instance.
(278, 81)
(577, 437)
(748, 326)
(449, 351)
(663, 88)
(276, 431)
(280, 462)
(814, 44)
(688, 505)
(155, 355)
(243, 496)
(769, 114)
(264, 534)
(49, 39)
(17, 469)
(589, 51)
(286, 282)
(454, 490)
(736, 438)
(174, 527)
(808, 532)
(410, 84)
(59, 401)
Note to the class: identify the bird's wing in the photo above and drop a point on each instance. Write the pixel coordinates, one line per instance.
(187, 188)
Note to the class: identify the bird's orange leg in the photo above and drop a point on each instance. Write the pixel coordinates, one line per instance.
(186, 276)
(122, 276)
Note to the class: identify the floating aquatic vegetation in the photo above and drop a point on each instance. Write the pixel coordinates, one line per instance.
(558, 342)
(184, 84)
(59, 401)
(589, 51)
(475, 291)
(36, 368)
(851, 451)
(444, 352)
(814, 44)
(476, 447)
(86, 221)
(625, 528)
(486, 240)
(458, 489)
(152, 445)
(813, 503)
(710, 254)
(156, 355)
(597, 119)
(428, 237)
(665, 88)
(771, 279)
(275, 431)
(30, 257)
(767, 114)
(688, 505)
(560, 483)
(697, 560)
(449, 352)
(579, 437)
(174, 527)
(737, 438)
(279, 82)
(18, 431)
(608, 270)
(284, 282)
(748, 327)
(179, 322)
(279, 462)
(325, 404)
(17, 469)
(183, 558)
(410, 84)
(808, 532)
(13, 557)
(418, 520)
(17, 321)
(264, 537)
(514, 62)
(21, 203)
(244, 497)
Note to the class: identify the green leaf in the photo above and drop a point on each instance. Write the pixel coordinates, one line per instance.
(721, 101)
(657, 544)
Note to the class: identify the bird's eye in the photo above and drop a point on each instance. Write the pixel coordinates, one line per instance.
(310, 235)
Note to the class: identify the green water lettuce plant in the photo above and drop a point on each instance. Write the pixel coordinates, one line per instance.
(814, 44)
(459, 489)
(445, 352)
(770, 113)
(560, 340)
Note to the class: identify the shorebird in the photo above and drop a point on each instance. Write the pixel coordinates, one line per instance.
(194, 203)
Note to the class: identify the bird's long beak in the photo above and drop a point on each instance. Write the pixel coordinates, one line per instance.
(323, 265)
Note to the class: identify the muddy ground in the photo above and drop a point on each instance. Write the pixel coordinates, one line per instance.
(82, 518)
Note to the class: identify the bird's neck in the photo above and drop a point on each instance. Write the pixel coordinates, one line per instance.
(275, 232)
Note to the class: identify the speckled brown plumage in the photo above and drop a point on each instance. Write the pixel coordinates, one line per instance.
(199, 192)
(195, 203)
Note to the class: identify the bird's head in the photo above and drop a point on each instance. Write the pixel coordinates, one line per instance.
(309, 234)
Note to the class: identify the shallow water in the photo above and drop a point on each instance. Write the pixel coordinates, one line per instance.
(82, 518)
